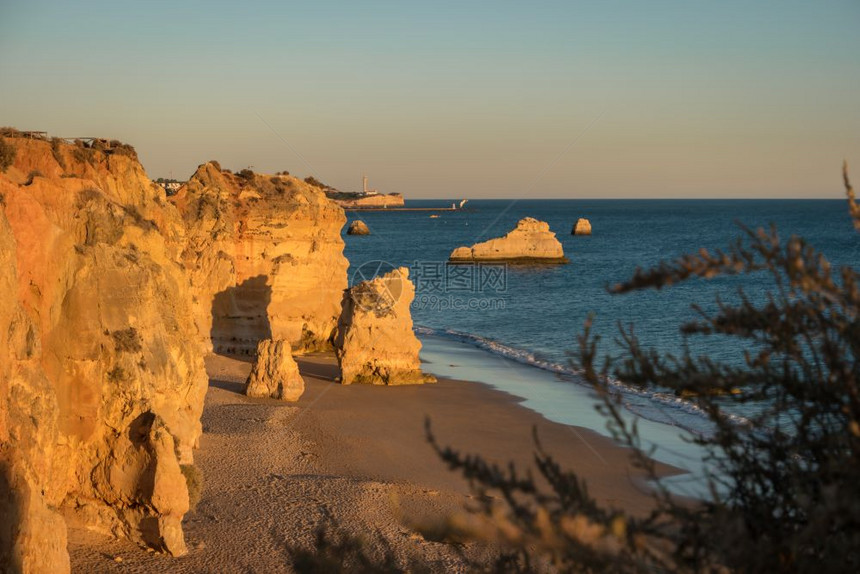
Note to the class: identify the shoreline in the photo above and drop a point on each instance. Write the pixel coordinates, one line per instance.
(558, 397)
(357, 454)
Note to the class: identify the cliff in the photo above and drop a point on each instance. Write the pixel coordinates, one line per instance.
(101, 377)
(530, 242)
(265, 258)
(375, 343)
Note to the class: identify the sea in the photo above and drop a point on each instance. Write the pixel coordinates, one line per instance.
(516, 327)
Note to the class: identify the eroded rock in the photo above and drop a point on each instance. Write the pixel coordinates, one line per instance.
(375, 343)
(358, 227)
(275, 374)
(530, 242)
(582, 227)
(265, 257)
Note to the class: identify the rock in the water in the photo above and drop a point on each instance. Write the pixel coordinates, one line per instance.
(582, 227)
(358, 227)
(275, 374)
(530, 242)
(374, 341)
(265, 256)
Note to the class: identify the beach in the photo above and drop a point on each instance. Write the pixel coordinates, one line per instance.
(355, 456)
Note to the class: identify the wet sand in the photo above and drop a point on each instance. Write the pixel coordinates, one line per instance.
(357, 455)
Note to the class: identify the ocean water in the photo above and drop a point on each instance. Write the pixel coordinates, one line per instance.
(532, 315)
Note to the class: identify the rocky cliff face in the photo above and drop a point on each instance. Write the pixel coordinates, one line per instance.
(375, 343)
(103, 380)
(265, 258)
(530, 241)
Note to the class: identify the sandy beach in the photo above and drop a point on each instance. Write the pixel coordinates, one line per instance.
(274, 472)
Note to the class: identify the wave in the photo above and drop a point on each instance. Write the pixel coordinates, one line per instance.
(661, 407)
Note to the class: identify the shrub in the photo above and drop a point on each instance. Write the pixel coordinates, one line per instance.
(7, 154)
(127, 340)
(81, 153)
(785, 485)
(124, 150)
(194, 482)
(311, 180)
(56, 151)
(246, 174)
(117, 374)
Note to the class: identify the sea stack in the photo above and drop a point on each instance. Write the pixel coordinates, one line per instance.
(530, 241)
(358, 227)
(582, 227)
(374, 341)
(275, 374)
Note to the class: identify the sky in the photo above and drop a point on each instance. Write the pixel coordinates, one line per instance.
(567, 99)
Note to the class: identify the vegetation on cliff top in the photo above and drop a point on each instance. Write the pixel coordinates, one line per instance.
(7, 154)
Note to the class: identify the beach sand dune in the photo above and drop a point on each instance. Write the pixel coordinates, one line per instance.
(357, 454)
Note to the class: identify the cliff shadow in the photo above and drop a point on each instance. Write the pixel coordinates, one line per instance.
(240, 318)
(10, 515)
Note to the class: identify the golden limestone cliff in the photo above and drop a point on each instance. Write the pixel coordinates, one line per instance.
(265, 257)
(101, 373)
(375, 343)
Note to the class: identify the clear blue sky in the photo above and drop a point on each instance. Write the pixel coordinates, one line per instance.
(455, 99)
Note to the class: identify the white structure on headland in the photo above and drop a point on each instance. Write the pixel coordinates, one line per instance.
(366, 191)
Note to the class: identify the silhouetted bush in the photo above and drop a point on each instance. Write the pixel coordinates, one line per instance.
(784, 484)
(246, 174)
